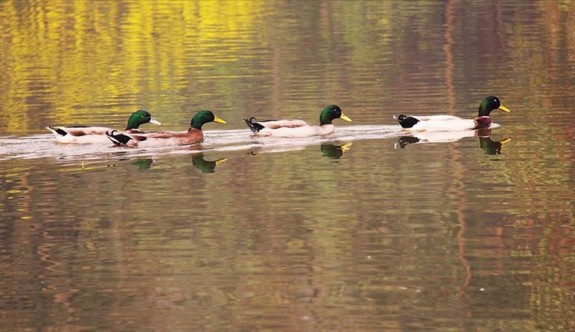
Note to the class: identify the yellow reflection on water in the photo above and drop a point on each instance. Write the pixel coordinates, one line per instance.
(103, 56)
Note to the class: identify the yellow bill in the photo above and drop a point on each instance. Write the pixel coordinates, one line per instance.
(344, 117)
(218, 120)
(346, 146)
(220, 161)
(504, 109)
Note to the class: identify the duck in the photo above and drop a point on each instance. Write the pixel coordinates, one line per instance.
(451, 122)
(194, 134)
(93, 134)
(298, 128)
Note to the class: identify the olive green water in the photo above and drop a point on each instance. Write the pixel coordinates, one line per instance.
(365, 230)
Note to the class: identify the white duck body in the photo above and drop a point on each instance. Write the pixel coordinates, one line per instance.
(80, 135)
(274, 124)
(297, 131)
(297, 128)
(94, 134)
(451, 122)
(442, 123)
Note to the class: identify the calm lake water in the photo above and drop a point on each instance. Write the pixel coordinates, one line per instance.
(369, 229)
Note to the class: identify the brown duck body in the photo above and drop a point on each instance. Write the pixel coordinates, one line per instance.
(192, 136)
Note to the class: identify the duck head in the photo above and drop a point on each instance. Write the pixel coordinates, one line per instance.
(490, 146)
(203, 117)
(489, 104)
(206, 166)
(332, 151)
(330, 113)
(139, 118)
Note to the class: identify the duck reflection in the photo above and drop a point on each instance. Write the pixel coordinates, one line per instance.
(486, 143)
(490, 146)
(198, 160)
(206, 166)
(333, 151)
(434, 137)
(404, 141)
(143, 163)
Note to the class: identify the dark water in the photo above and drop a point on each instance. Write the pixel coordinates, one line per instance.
(365, 230)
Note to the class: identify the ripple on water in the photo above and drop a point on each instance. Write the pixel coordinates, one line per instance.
(42, 146)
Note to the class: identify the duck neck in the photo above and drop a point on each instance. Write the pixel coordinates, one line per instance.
(132, 124)
(484, 109)
(482, 122)
(325, 119)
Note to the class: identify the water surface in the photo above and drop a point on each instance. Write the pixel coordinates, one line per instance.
(368, 229)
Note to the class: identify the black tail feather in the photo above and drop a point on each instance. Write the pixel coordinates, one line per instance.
(118, 138)
(406, 121)
(254, 126)
(60, 131)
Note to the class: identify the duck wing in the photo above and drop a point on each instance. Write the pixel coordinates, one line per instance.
(276, 124)
(441, 117)
(445, 125)
(79, 130)
(157, 139)
(257, 126)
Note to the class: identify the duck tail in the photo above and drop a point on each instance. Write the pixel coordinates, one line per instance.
(406, 121)
(254, 126)
(117, 138)
(57, 131)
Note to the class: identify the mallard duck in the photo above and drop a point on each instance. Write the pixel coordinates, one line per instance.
(167, 138)
(451, 122)
(92, 134)
(298, 128)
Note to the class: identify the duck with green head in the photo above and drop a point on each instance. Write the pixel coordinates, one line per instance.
(298, 128)
(167, 138)
(93, 134)
(451, 122)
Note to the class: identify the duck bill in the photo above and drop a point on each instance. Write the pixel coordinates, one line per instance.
(220, 161)
(344, 117)
(504, 109)
(346, 146)
(218, 120)
(156, 122)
